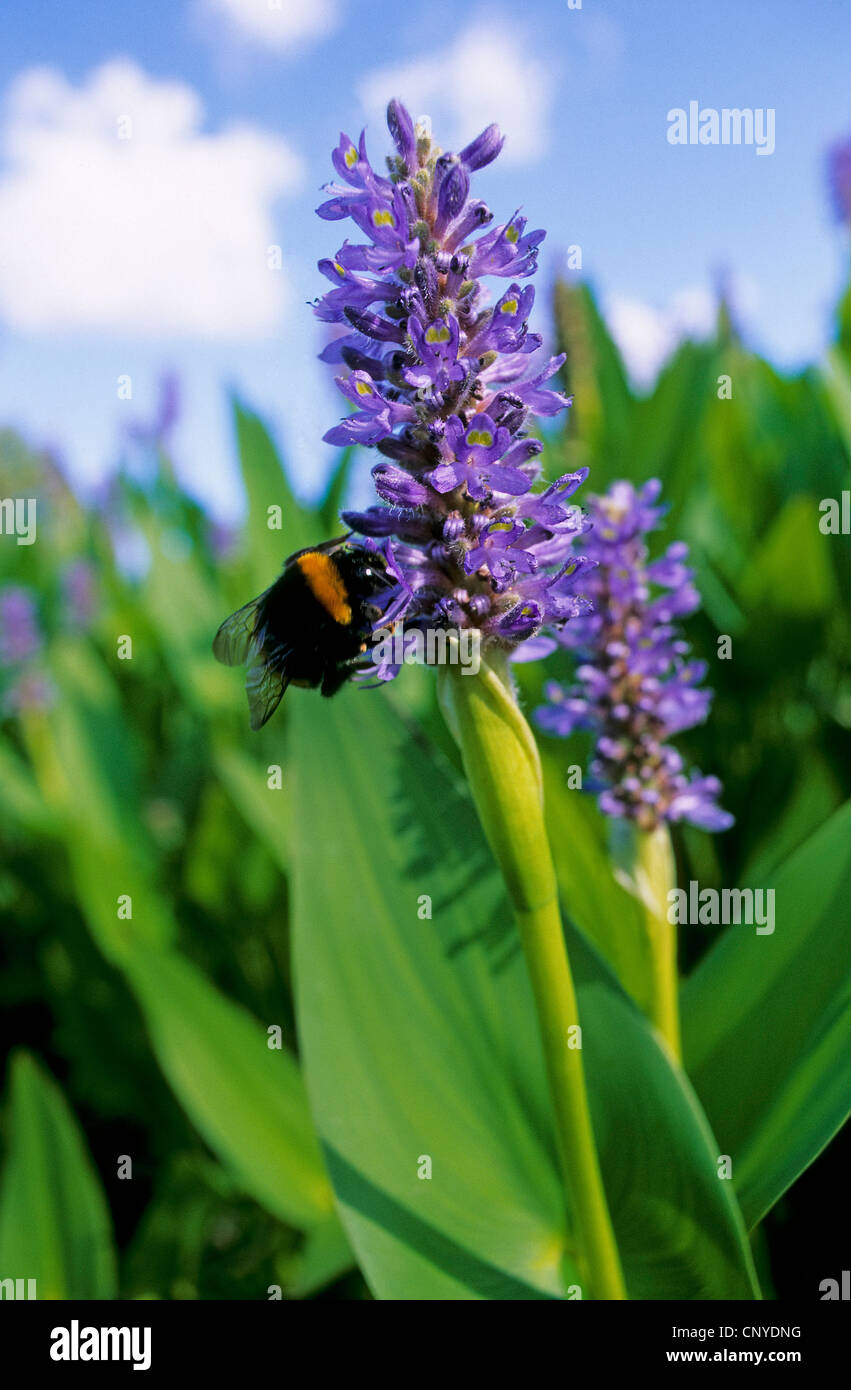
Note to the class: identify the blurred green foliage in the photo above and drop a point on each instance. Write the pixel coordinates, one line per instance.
(139, 777)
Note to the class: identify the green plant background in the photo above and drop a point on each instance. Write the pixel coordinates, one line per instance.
(298, 909)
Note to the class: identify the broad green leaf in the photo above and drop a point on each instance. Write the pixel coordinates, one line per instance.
(814, 797)
(609, 916)
(85, 766)
(22, 801)
(265, 811)
(420, 1046)
(54, 1221)
(767, 1024)
(325, 1256)
(185, 628)
(837, 381)
(801, 589)
(679, 1227)
(667, 424)
(335, 493)
(246, 1099)
(267, 485)
(603, 406)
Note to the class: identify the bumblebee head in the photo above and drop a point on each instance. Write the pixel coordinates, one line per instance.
(366, 570)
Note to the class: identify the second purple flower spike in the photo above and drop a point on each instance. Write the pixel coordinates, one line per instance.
(637, 686)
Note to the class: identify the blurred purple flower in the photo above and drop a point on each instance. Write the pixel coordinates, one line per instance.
(79, 595)
(31, 692)
(636, 685)
(839, 178)
(221, 538)
(157, 432)
(20, 637)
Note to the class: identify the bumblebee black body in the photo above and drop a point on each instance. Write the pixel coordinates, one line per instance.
(310, 628)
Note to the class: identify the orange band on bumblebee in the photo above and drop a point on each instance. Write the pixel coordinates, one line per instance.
(326, 584)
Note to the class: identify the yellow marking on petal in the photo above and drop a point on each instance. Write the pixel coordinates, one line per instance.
(351, 157)
(383, 217)
(502, 526)
(437, 335)
(326, 584)
(512, 233)
(341, 270)
(483, 437)
(509, 307)
(363, 388)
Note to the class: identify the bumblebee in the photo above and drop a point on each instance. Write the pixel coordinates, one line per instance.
(310, 628)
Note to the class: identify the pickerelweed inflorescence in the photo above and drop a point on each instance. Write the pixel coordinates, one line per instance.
(637, 687)
(445, 385)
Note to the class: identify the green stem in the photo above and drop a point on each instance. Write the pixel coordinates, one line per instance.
(504, 773)
(646, 861)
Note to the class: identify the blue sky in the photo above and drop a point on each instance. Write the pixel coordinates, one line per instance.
(131, 248)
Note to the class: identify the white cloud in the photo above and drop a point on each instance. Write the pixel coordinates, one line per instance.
(647, 336)
(484, 76)
(164, 232)
(277, 24)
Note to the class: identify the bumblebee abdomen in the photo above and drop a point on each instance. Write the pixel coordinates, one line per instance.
(326, 584)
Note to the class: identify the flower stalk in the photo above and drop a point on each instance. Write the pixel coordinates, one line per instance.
(504, 773)
(644, 865)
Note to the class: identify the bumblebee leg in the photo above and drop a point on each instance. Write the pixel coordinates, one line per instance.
(334, 679)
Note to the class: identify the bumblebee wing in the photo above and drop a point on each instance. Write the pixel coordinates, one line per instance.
(236, 640)
(265, 689)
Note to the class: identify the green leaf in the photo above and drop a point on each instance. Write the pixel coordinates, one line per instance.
(419, 1042)
(767, 1024)
(602, 414)
(54, 1221)
(267, 485)
(326, 1256)
(837, 381)
(335, 493)
(800, 590)
(185, 629)
(609, 916)
(22, 804)
(246, 1099)
(813, 798)
(263, 810)
(85, 764)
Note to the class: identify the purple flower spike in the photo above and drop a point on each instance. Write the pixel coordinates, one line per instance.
(636, 687)
(445, 379)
